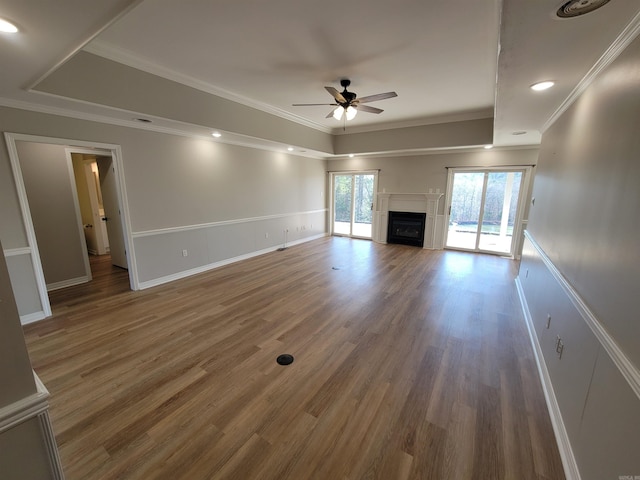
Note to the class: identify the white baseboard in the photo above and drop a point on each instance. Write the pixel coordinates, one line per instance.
(564, 445)
(67, 283)
(211, 266)
(32, 317)
(627, 368)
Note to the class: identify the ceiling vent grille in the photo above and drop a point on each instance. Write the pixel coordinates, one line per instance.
(575, 8)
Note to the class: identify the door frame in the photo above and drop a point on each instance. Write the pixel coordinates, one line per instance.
(332, 176)
(79, 146)
(519, 221)
(94, 200)
(96, 153)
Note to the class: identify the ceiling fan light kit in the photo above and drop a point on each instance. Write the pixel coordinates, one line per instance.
(347, 103)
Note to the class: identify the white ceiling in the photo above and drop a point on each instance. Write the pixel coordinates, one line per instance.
(442, 57)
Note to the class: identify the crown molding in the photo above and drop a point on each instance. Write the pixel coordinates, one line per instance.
(623, 40)
(125, 57)
(227, 138)
(417, 122)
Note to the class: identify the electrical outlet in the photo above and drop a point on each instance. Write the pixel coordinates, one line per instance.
(185, 253)
(266, 235)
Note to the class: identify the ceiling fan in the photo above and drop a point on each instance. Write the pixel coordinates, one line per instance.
(348, 104)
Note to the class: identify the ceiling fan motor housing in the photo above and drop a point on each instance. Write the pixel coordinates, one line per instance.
(348, 96)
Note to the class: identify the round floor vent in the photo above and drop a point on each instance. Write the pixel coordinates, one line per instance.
(285, 359)
(575, 8)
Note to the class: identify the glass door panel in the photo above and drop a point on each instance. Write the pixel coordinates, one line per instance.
(342, 196)
(483, 212)
(353, 204)
(466, 203)
(363, 205)
(499, 213)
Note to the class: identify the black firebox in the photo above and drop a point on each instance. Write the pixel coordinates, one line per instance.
(406, 228)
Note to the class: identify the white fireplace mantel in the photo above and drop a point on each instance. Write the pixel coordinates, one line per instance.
(411, 202)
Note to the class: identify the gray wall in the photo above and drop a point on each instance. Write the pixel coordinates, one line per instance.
(217, 201)
(587, 192)
(581, 265)
(98, 80)
(50, 192)
(469, 133)
(16, 378)
(23, 453)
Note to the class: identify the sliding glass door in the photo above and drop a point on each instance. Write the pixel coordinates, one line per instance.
(352, 210)
(484, 209)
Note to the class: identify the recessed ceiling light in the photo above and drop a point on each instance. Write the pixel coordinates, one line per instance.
(488, 147)
(290, 149)
(518, 132)
(351, 155)
(7, 27)
(542, 86)
(216, 134)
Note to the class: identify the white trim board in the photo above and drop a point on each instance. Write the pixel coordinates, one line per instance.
(211, 266)
(186, 228)
(628, 370)
(562, 438)
(623, 40)
(32, 317)
(14, 252)
(74, 145)
(67, 283)
(35, 405)
(25, 408)
(118, 55)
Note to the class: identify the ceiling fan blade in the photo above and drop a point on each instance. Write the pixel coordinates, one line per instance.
(379, 96)
(367, 108)
(336, 94)
(312, 104)
(330, 114)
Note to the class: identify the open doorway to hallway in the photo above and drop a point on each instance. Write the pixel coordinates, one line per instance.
(45, 181)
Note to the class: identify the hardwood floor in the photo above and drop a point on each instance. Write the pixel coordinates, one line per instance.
(409, 364)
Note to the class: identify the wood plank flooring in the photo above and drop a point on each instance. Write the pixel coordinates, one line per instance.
(409, 364)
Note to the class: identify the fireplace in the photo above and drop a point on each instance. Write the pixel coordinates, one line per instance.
(406, 228)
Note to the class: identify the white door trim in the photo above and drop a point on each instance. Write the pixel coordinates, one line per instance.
(79, 146)
(332, 176)
(76, 205)
(523, 196)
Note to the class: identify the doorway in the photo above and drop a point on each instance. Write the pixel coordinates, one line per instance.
(32, 250)
(353, 197)
(97, 194)
(485, 209)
